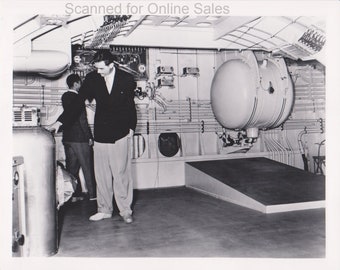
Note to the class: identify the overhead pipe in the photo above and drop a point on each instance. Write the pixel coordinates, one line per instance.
(47, 63)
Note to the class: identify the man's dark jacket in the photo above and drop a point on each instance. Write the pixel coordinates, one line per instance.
(115, 112)
(79, 131)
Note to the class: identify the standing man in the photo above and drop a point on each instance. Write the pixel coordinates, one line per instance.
(114, 124)
(78, 140)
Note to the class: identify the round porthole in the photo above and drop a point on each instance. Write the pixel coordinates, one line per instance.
(168, 144)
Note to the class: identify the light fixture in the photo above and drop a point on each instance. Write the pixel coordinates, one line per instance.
(53, 20)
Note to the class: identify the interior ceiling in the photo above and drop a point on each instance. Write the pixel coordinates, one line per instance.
(293, 37)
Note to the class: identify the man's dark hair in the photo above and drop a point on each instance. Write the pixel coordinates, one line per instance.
(103, 55)
(71, 79)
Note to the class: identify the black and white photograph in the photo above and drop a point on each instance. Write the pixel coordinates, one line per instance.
(170, 134)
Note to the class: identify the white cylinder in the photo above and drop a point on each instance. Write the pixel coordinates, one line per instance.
(36, 146)
(250, 94)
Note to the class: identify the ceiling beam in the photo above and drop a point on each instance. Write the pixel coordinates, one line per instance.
(135, 25)
(176, 37)
(179, 21)
(230, 24)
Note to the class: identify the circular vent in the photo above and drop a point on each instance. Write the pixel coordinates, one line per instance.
(168, 144)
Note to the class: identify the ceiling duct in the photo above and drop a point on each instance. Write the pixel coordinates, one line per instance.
(46, 63)
(49, 61)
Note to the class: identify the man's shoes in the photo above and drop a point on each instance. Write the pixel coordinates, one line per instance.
(127, 219)
(99, 216)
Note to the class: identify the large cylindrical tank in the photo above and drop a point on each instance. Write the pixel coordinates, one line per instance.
(249, 93)
(36, 146)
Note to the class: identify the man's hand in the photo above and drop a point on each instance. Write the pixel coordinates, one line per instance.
(54, 127)
(131, 132)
